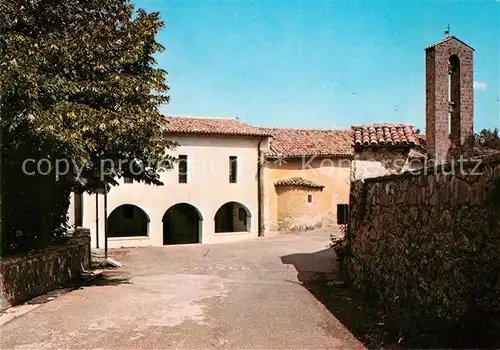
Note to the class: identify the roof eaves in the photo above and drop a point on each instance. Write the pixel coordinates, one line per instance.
(221, 133)
(299, 182)
(319, 155)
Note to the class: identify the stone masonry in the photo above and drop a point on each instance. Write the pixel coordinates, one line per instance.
(26, 276)
(427, 243)
(449, 63)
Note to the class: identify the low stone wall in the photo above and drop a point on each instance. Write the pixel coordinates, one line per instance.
(427, 246)
(26, 276)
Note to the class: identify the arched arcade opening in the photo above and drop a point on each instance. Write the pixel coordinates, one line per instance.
(182, 224)
(128, 220)
(232, 217)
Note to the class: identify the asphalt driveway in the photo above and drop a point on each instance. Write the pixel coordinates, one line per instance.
(238, 295)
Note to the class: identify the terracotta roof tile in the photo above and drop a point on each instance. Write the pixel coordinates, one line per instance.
(205, 125)
(290, 142)
(296, 142)
(385, 135)
(298, 181)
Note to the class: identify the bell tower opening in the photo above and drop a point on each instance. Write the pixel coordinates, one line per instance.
(454, 100)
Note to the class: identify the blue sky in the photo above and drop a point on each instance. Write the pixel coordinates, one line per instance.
(319, 64)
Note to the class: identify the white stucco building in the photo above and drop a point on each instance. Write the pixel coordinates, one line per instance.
(235, 181)
(210, 196)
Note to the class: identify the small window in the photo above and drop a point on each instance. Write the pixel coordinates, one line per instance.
(128, 212)
(233, 169)
(128, 180)
(309, 198)
(182, 169)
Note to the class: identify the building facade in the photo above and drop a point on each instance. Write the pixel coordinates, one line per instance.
(234, 181)
(306, 176)
(210, 195)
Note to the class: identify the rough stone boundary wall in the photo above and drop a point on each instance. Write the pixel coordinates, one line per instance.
(427, 246)
(26, 276)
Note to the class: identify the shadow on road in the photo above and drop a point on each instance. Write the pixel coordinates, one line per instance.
(311, 266)
(49, 296)
(106, 277)
(111, 278)
(368, 324)
(106, 281)
(318, 273)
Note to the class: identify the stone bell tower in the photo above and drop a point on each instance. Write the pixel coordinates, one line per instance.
(449, 99)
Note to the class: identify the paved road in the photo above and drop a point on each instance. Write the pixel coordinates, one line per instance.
(238, 295)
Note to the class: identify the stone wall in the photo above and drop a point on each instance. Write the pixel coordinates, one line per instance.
(426, 244)
(26, 276)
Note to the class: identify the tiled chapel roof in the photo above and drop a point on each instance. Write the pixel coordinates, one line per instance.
(298, 181)
(294, 142)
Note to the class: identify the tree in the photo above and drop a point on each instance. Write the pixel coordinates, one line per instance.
(488, 139)
(79, 86)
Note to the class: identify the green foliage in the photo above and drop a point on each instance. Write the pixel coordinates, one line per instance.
(341, 247)
(34, 212)
(488, 139)
(78, 82)
(338, 243)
